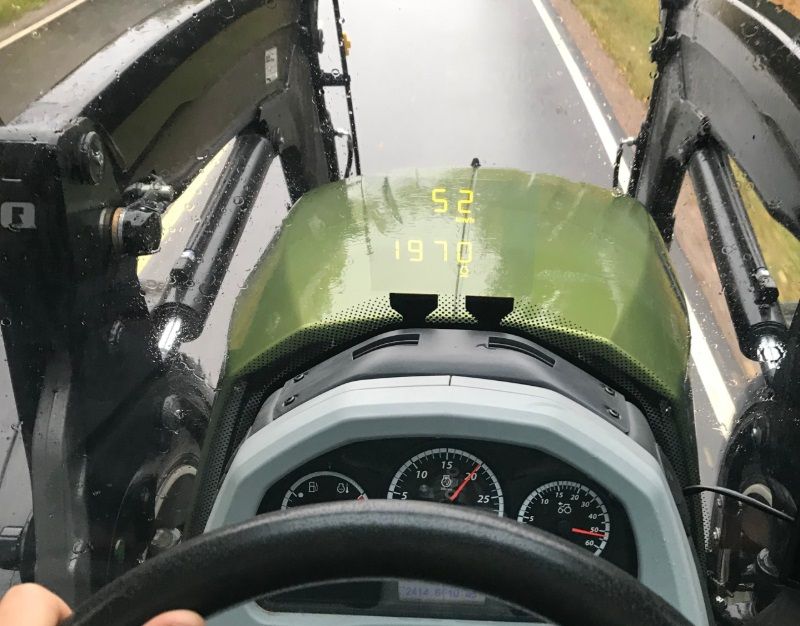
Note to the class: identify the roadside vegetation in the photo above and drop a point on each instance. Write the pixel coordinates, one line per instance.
(781, 249)
(10, 10)
(793, 6)
(625, 29)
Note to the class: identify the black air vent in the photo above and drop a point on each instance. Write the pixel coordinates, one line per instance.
(518, 346)
(406, 339)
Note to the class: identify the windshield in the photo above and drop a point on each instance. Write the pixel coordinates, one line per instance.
(202, 200)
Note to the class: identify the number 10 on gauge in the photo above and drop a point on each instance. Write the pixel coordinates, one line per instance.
(413, 251)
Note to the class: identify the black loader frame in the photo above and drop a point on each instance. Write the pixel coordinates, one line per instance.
(728, 88)
(87, 170)
(85, 173)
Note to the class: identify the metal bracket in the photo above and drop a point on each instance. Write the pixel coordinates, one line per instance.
(335, 79)
(627, 141)
(350, 150)
(10, 547)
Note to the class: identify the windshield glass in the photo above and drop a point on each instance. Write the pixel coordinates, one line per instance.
(202, 201)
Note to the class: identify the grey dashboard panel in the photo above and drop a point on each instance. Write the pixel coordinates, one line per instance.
(251, 614)
(445, 406)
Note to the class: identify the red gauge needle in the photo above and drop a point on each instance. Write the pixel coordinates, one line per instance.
(591, 533)
(463, 484)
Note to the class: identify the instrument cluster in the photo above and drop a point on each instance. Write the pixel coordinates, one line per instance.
(521, 483)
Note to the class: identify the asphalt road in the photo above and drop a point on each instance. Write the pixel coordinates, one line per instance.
(32, 64)
(434, 84)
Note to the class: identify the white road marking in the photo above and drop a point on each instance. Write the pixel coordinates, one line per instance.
(595, 112)
(42, 22)
(791, 44)
(707, 368)
(710, 376)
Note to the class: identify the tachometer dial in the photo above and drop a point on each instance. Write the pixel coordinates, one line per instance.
(570, 510)
(322, 487)
(450, 476)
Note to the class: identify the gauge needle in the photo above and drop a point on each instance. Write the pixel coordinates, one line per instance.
(591, 533)
(463, 484)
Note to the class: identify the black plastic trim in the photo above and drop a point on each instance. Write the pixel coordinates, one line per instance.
(513, 344)
(460, 352)
(406, 339)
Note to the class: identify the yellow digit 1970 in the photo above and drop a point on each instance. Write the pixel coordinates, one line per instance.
(463, 257)
(464, 252)
(415, 249)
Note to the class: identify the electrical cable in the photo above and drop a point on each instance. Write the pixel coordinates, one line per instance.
(758, 504)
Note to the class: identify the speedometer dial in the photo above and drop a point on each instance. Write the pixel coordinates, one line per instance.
(449, 476)
(570, 510)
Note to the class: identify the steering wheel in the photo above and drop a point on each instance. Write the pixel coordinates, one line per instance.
(379, 539)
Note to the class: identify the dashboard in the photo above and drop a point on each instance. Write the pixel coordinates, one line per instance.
(524, 452)
(520, 483)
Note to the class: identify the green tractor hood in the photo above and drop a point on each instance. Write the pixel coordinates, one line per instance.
(586, 268)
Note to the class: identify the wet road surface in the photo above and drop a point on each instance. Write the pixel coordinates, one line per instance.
(32, 64)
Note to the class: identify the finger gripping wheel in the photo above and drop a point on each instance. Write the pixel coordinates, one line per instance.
(379, 539)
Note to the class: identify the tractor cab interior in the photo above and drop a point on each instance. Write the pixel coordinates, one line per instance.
(447, 393)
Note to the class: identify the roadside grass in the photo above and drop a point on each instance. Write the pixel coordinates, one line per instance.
(10, 10)
(780, 248)
(625, 29)
(793, 6)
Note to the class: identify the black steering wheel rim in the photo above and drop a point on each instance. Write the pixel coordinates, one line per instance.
(379, 539)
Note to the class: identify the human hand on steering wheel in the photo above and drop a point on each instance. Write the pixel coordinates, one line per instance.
(33, 605)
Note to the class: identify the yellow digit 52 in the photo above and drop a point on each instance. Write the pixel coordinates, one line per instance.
(436, 196)
(465, 202)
